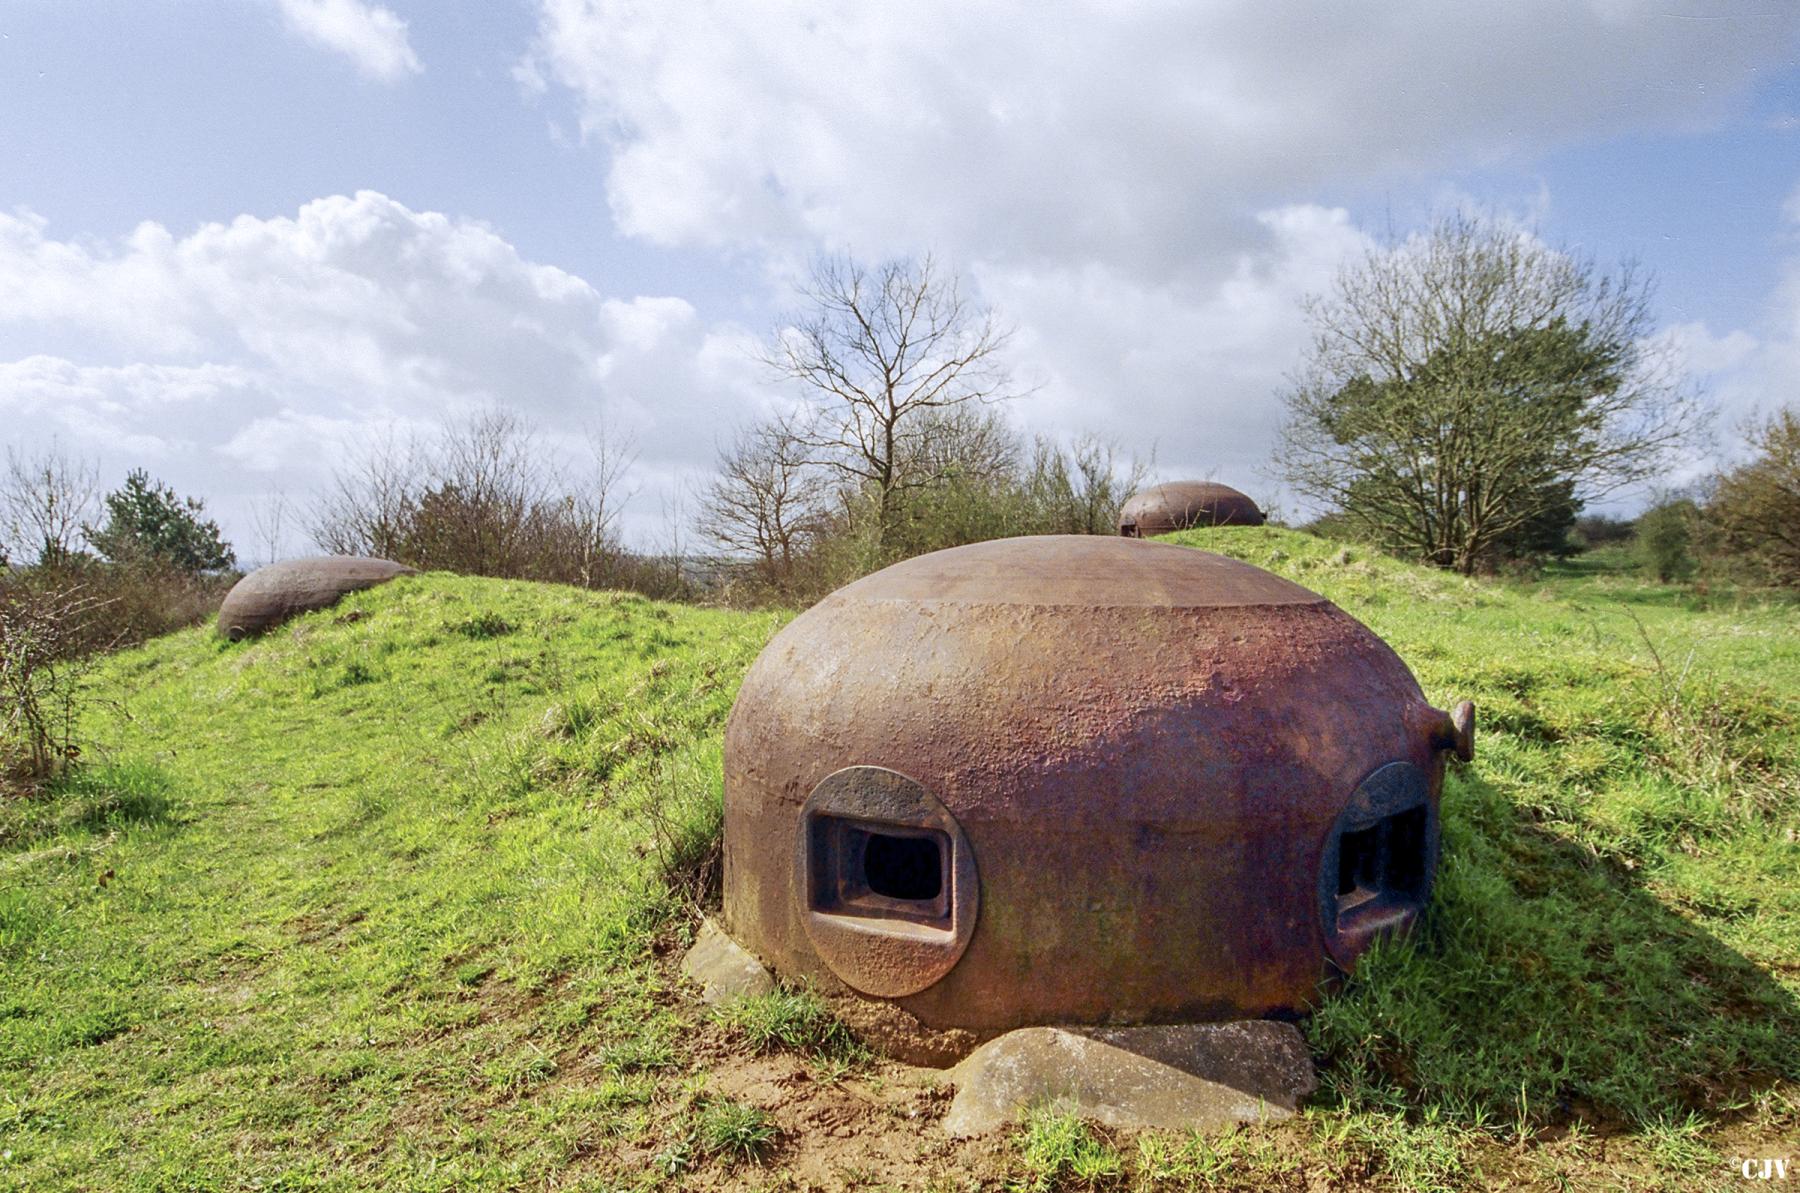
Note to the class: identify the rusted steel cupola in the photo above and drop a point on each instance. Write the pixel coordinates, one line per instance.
(271, 595)
(1181, 505)
(1078, 780)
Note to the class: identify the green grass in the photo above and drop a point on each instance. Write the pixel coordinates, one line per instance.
(376, 883)
(386, 899)
(794, 1020)
(736, 1130)
(1058, 1150)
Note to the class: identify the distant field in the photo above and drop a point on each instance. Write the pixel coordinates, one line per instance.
(380, 901)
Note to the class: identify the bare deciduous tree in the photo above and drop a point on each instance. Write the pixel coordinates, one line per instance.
(877, 351)
(369, 507)
(483, 505)
(45, 499)
(269, 516)
(591, 506)
(767, 501)
(1470, 388)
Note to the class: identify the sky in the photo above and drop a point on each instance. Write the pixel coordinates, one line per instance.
(243, 240)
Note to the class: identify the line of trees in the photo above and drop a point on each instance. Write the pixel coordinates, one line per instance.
(1465, 394)
(491, 496)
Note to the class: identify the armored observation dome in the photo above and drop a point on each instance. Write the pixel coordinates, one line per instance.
(1078, 779)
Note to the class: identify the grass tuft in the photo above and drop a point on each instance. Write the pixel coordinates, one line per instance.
(92, 798)
(480, 626)
(1057, 1150)
(736, 1131)
(793, 1021)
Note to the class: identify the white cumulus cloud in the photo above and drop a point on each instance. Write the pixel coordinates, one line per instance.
(1142, 136)
(369, 35)
(1136, 186)
(258, 354)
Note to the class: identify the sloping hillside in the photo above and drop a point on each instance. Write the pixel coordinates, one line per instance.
(381, 900)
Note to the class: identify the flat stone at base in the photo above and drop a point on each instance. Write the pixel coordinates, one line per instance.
(1204, 1075)
(723, 968)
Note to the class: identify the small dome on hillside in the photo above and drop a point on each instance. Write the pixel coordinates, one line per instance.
(269, 596)
(1180, 505)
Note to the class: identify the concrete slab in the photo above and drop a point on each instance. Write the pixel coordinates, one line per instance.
(1207, 1076)
(723, 968)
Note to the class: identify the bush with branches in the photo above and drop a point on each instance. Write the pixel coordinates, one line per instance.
(1756, 506)
(1665, 537)
(797, 529)
(489, 497)
(42, 633)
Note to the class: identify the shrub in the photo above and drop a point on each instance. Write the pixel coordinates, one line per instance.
(40, 680)
(129, 603)
(1665, 536)
(801, 531)
(489, 497)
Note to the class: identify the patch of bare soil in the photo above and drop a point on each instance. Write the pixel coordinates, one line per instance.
(874, 1127)
(895, 1033)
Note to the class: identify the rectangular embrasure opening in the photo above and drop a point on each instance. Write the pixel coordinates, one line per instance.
(887, 871)
(1383, 861)
(906, 868)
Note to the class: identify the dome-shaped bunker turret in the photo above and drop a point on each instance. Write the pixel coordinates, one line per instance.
(1078, 780)
(269, 596)
(1180, 505)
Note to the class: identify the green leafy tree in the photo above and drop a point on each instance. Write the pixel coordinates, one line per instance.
(1468, 390)
(148, 522)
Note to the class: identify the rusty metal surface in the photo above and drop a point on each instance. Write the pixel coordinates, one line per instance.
(1180, 505)
(1147, 751)
(269, 596)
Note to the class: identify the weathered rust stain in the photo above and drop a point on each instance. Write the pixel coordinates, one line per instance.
(271, 595)
(1144, 754)
(1181, 505)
